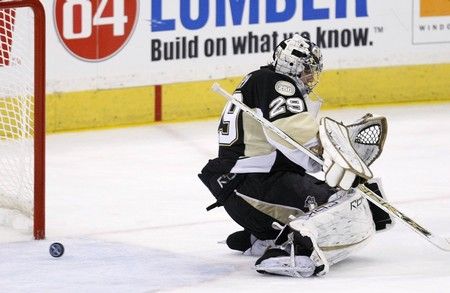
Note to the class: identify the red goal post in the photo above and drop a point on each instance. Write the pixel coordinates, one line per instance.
(35, 107)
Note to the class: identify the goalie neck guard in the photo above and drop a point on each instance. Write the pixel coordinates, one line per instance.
(300, 59)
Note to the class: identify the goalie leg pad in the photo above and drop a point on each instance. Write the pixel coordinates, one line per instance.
(343, 225)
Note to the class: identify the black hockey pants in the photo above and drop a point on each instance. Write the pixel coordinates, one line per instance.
(254, 200)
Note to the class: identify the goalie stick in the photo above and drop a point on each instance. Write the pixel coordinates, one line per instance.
(436, 240)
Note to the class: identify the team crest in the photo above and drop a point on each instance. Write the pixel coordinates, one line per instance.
(285, 88)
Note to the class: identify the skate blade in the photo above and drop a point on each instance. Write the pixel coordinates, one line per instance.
(296, 272)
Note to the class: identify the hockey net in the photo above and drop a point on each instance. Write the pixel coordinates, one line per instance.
(22, 111)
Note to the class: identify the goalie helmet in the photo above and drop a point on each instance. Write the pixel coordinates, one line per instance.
(300, 59)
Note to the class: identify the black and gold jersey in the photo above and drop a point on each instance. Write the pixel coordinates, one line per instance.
(246, 147)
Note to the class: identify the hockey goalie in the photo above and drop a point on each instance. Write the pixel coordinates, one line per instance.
(296, 224)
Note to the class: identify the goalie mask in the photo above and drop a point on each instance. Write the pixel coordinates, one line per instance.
(300, 59)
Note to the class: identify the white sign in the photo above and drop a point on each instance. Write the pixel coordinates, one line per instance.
(180, 41)
(431, 22)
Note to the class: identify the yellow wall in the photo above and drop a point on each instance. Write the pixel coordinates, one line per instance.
(383, 85)
(101, 108)
(195, 100)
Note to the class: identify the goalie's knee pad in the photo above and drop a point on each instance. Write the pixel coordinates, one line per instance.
(341, 226)
(248, 244)
(239, 240)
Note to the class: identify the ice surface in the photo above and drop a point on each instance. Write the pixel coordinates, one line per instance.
(128, 207)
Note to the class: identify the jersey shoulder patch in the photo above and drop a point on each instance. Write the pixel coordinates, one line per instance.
(285, 88)
(276, 83)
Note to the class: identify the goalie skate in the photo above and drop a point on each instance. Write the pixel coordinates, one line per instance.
(297, 257)
(279, 262)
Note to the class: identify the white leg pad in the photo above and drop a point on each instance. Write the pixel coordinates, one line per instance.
(342, 225)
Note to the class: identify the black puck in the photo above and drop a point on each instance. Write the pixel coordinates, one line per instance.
(56, 249)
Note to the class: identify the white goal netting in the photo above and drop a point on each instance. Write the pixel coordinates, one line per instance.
(16, 112)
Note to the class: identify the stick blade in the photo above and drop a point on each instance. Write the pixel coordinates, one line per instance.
(443, 243)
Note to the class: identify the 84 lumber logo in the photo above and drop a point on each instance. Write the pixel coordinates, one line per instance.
(95, 30)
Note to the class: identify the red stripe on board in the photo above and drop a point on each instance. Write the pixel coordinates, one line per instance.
(158, 102)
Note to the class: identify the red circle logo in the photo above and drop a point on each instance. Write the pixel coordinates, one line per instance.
(95, 30)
